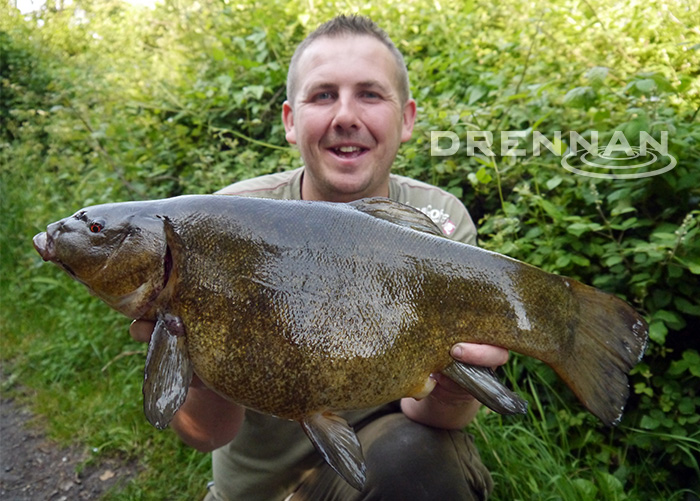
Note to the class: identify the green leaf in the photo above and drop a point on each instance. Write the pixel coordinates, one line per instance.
(563, 261)
(554, 182)
(613, 260)
(649, 423)
(475, 93)
(623, 207)
(457, 191)
(642, 388)
(646, 86)
(580, 260)
(661, 298)
(586, 488)
(686, 406)
(578, 229)
(255, 90)
(693, 264)
(689, 362)
(686, 306)
(580, 97)
(610, 486)
(218, 54)
(483, 176)
(672, 319)
(657, 332)
(676, 271)
(597, 74)
(483, 161)
(551, 209)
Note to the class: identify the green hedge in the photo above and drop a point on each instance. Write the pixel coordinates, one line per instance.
(103, 102)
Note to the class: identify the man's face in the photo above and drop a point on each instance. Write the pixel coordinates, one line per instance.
(347, 118)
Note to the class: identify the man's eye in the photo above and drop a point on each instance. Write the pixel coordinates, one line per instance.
(323, 96)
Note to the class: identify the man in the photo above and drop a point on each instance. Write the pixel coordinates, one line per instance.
(348, 109)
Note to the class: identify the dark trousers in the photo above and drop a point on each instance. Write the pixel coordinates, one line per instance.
(406, 461)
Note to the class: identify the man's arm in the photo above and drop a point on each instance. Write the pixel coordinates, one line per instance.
(449, 406)
(206, 421)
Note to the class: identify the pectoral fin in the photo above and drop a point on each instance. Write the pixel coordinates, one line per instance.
(485, 386)
(167, 375)
(337, 443)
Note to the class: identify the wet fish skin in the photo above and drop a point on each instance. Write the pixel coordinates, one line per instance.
(301, 308)
(328, 285)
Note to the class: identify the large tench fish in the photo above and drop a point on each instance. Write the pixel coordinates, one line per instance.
(302, 309)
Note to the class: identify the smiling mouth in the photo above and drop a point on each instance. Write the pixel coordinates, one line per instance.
(348, 151)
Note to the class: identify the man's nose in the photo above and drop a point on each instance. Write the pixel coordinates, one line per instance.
(346, 116)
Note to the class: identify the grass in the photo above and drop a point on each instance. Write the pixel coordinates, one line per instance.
(558, 452)
(71, 359)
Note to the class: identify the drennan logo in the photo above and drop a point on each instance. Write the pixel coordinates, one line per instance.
(619, 160)
(615, 160)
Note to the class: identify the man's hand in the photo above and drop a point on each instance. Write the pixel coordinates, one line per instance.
(449, 406)
(141, 330)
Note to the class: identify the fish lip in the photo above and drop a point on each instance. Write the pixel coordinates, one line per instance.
(44, 246)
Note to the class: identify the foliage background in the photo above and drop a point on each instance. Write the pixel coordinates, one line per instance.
(101, 101)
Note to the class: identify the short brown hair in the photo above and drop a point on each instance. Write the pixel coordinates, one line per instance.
(343, 25)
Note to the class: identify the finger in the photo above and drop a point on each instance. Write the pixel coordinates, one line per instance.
(449, 392)
(141, 330)
(480, 354)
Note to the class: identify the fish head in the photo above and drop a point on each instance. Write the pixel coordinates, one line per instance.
(118, 251)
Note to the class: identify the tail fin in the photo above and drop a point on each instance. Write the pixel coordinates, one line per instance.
(609, 339)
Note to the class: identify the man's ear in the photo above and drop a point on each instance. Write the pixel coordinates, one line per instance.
(288, 121)
(409, 119)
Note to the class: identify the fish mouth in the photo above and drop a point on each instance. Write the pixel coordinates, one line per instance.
(44, 246)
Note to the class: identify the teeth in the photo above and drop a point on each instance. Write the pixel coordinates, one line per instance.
(348, 149)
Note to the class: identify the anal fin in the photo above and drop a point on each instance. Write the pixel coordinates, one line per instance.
(486, 388)
(337, 443)
(167, 375)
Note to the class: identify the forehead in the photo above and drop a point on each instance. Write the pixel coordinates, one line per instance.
(346, 59)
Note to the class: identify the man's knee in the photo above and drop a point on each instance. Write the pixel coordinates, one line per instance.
(420, 462)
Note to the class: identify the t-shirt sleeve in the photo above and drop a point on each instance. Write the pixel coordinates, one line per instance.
(445, 210)
(465, 229)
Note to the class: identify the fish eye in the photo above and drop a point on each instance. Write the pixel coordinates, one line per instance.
(96, 226)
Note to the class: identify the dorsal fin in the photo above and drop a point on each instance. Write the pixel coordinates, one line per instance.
(397, 213)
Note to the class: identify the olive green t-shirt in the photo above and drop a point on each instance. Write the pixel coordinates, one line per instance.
(269, 456)
(443, 208)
